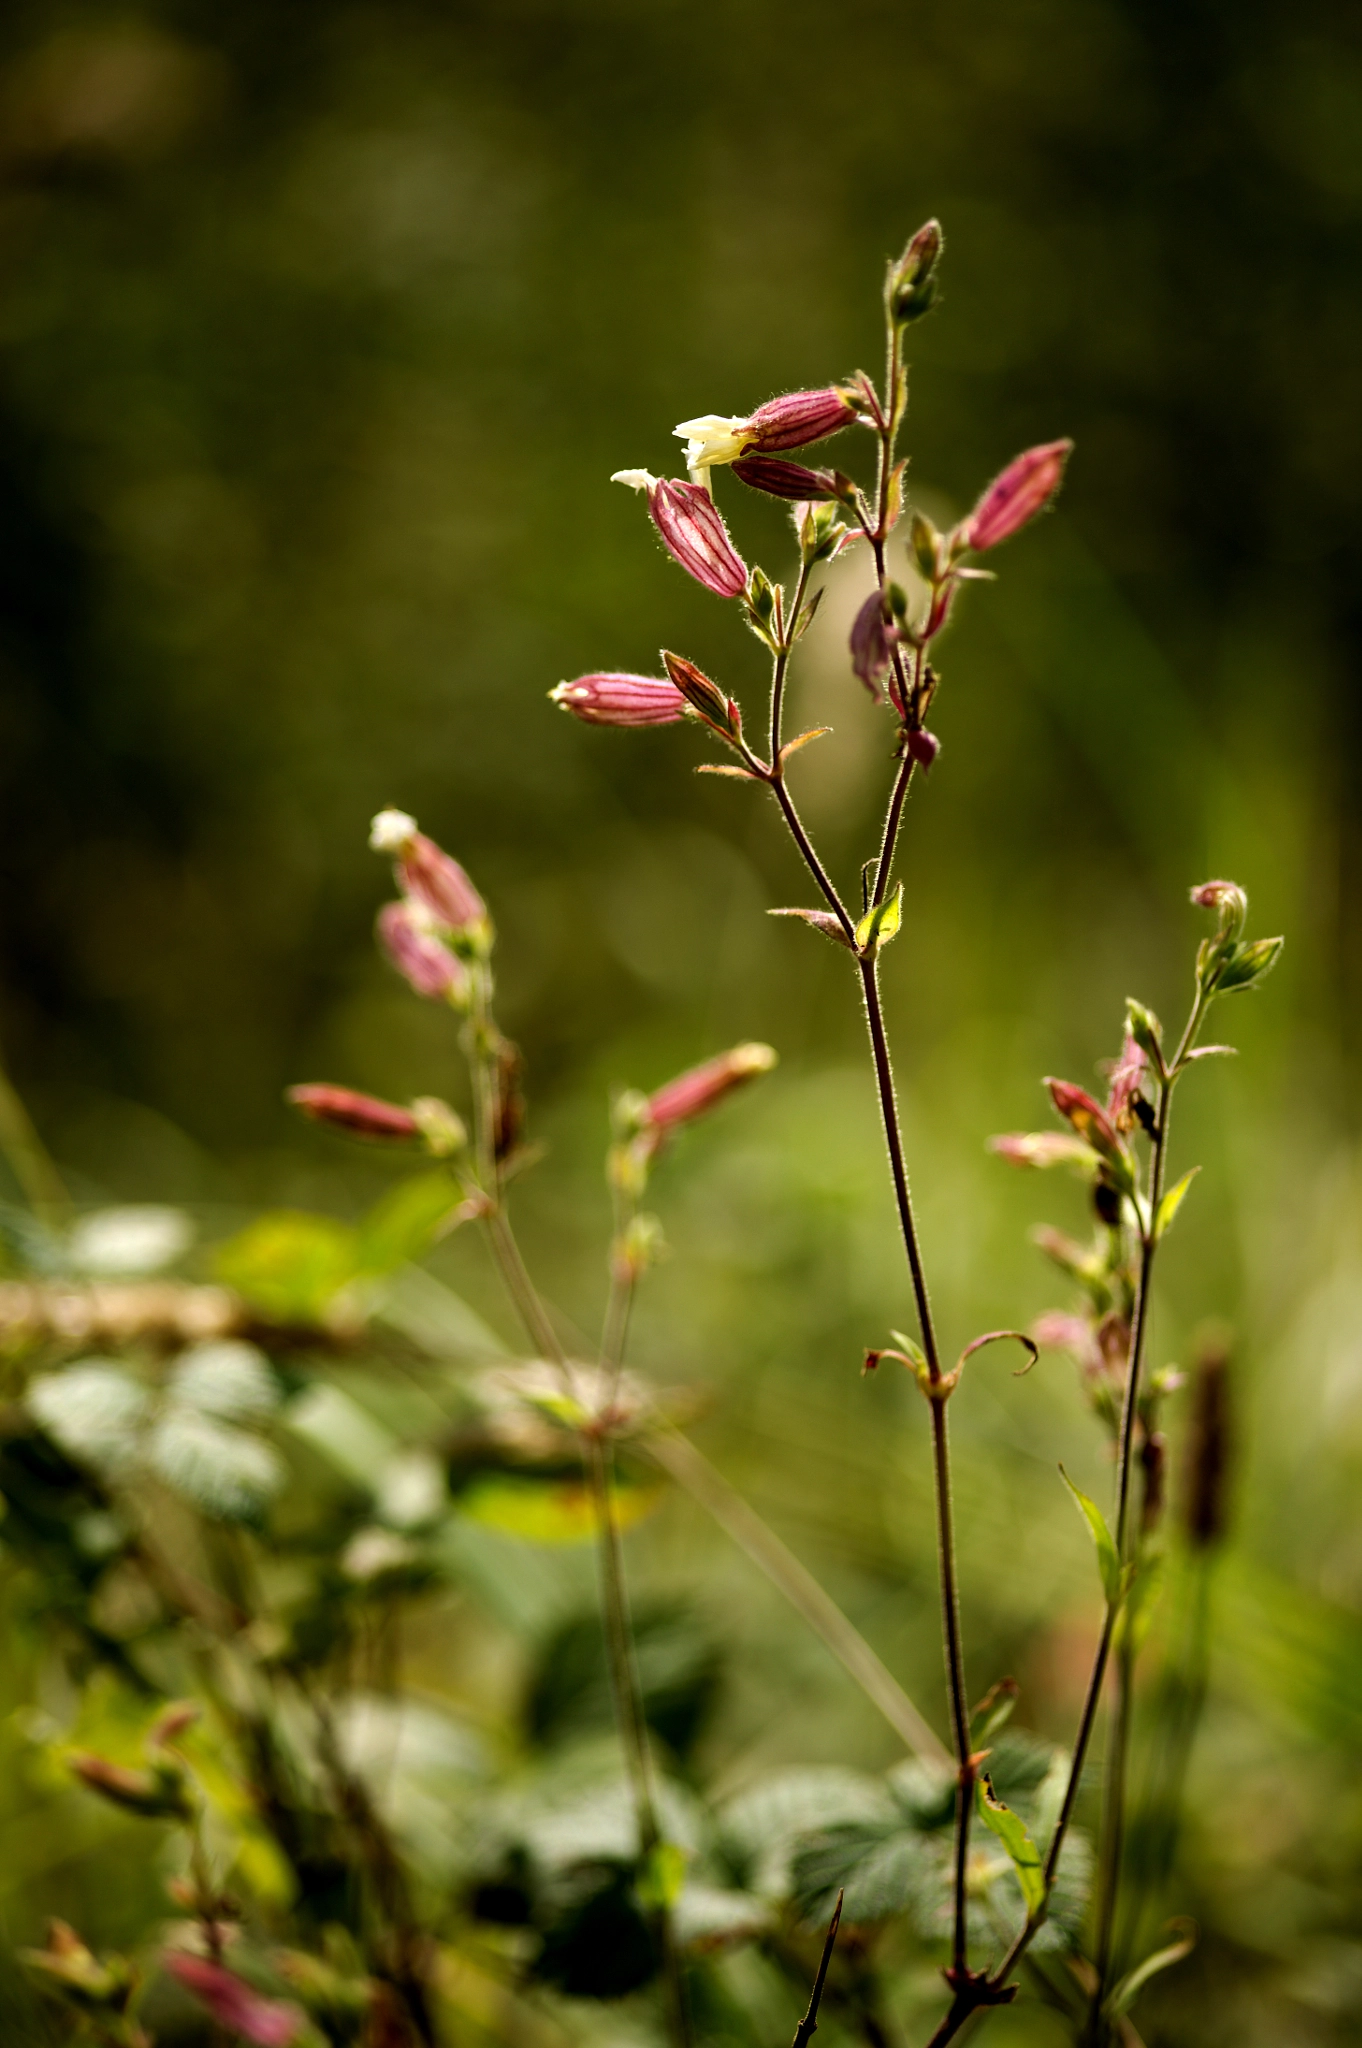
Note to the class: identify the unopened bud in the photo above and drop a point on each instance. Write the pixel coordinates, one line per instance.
(611, 699)
(1228, 900)
(157, 1794)
(700, 1088)
(911, 288)
(872, 643)
(785, 479)
(1042, 1148)
(928, 548)
(237, 2005)
(1025, 488)
(703, 696)
(821, 533)
(178, 1716)
(363, 1116)
(433, 878)
(424, 962)
(923, 746)
(1088, 1118)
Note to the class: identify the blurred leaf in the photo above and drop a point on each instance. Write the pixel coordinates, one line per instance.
(348, 1436)
(761, 1827)
(226, 1379)
(128, 1241)
(1011, 1832)
(550, 1510)
(1108, 1563)
(882, 1869)
(290, 1264)
(1172, 1202)
(678, 1666)
(1126, 1992)
(221, 1471)
(661, 1875)
(433, 1316)
(94, 1411)
(707, 1918)
(404, 1224)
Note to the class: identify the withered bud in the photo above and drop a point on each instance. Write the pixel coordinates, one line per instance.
(1127, 1074)
(1153, 1470)
(872, 644)
(1013, 499)
(785, 479)
(508, 1112)
(611, 699)
(923, 746)
(362, 1116)
(423, 960)
(1209, 1447)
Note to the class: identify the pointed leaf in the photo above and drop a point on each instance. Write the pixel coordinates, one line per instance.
(1172, 1202)
(880, 923)
(726, 768)
(914, 1350)
(1108, 1563)
(1212, 1052)
(1247, 965)
(1123, 1997)
(815, 732)
(1010, 1829)
(821, 920)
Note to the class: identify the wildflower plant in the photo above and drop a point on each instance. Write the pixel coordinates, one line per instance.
(183, 1460)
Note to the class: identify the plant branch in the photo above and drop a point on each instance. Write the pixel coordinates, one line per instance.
(808, 2026)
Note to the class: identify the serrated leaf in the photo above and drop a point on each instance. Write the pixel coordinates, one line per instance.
(223, 1472)
(290, 1263)
(228, 1380)
(1171, 1202)
(820, 920)
(407, 1220)
(1108, 1563)
(1123, 1997)
(815, 732)
(1012, 1833)
(880, 923)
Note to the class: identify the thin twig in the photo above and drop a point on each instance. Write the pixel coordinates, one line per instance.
(808, 2026)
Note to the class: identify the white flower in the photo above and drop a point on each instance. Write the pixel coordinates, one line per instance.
(637, 479)
(391, 830)
(712, 438)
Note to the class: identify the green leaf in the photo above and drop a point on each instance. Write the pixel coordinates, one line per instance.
(550, 1510)
(914, 1351)
(1108, 1563)
(661, 1875)
(290, 1264)
(1172, 1202)
(94, 1411)
(1011, 1832)
(407, 1220)
(880, 923)
(1123, 1997)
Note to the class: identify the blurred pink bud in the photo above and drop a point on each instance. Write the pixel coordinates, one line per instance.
(154, 1794)
(1041, 1148)
(1088, 1118)
(695, 536)
(420, 958)
(1225, 897)
(434, 879)
(799, 418)
(621, 700)
(784, 479)
(364, 1116)
(180, 1714)
(872, 643)
(942, 599)
(1126, 1077)
(700, 1088)
(923, 746)
(236, 2005)
(1058, 1331)
(1025, 488)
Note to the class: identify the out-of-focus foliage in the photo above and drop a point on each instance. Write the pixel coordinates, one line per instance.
(322, 328)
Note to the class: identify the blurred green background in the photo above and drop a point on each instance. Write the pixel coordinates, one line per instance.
(321, 330)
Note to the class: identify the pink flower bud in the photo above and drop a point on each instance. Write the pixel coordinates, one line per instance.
(363, 1116)
(1025, 488)
(872, 643)
(155, 1794)
(784, 479)
(695, 536)
(1041, 1148)
(798, 418)
(432, 878)
(420, 958)
(1126, 1076)
(1228, 899)
(236, 2005)
(621, 700)
(1090, 1121)
(700, 1088)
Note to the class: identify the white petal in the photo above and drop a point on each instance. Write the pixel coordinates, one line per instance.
(390, 831)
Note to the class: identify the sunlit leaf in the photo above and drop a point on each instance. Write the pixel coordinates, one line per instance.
(1108, 1563)
(661, 1875)
(227, 1379)
(407, 1221)
(880, 923)
(133, 1239)
(290, 1264)
(225, 1473)
(1171, 1202)
(1012, 1833)
(550, 1511)
(1123, 1997)
(93, 1410)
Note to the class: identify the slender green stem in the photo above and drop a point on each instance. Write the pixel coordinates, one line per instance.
(782, 664)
